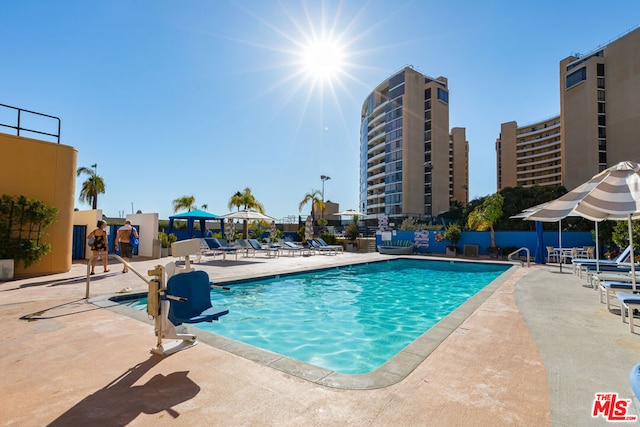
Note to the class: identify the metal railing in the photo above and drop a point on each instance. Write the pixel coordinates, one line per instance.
(19, 127)
(516, 252)
(129, 266)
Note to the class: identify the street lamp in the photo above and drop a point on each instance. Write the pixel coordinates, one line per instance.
(323, 178)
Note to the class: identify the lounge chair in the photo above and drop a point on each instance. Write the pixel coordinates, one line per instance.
(628, 302)
(609, 289)
(320, 249)
(217, 247)
(257, 247)
(294, 248)
(322, 243)
(578, 263)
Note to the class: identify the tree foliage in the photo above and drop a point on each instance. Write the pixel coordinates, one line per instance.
(184, 202)
(314, 197)
(246, 200)
(90, 189)
(484, 216)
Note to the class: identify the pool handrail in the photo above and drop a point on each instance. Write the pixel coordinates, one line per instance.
(516, 252)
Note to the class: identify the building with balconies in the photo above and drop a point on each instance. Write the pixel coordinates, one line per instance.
(598, 125)
(411, 165)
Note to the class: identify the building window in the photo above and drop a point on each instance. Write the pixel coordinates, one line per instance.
(601, 95)
(601, 108)
(600, 82)
(602, 120)
(396, 80)
(443, 95)
(396, 92)
(602, 132)
(576, 77)
(600, 70)
(602, 157)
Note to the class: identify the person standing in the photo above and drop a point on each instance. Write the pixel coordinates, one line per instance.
(123, 239)
(100, 246)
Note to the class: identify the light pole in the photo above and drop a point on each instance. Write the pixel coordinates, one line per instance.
(323, 178)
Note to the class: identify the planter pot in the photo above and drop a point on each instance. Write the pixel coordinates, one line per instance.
(6, 269)
(164, 252)
(451, 252)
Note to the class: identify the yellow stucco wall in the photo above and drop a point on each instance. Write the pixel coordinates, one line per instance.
(44, 171)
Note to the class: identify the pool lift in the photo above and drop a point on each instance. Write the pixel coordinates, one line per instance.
(179, 295)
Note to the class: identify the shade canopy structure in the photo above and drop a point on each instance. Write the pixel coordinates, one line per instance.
(191, 217)
(613, 194)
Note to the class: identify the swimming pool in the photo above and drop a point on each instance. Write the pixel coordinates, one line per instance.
(351, 319)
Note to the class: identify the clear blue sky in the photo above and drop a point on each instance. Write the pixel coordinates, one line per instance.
(205, 98)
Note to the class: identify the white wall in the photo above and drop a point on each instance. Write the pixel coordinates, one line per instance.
(148, 231)
(90, 219)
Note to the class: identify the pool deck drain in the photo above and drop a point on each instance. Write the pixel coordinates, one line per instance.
(526, 355)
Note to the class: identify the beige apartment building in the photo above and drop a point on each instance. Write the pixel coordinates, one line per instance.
(598, 125)
(411, 164)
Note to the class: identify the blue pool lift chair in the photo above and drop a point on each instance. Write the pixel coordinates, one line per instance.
(186, 298)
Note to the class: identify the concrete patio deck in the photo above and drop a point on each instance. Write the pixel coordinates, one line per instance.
(532, 353)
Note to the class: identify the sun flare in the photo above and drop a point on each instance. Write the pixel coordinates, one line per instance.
(323, 60)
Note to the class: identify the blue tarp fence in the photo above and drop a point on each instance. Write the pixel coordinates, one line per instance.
(434, 242)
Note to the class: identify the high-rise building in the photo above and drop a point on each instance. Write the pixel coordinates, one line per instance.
(598, 125)
(411, 165)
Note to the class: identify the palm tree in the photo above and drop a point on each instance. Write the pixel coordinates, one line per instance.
(248, 201)
(93, 186)
(184, 202)
(315, 198)
(484, 216)
(204, 207)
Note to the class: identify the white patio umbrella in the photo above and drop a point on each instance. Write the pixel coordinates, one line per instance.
(613, 194)
(350, 212)
(246, 215)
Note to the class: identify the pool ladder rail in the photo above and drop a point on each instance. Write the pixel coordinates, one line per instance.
(517, 252)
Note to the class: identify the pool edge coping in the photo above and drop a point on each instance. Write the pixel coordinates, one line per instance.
(391, 372)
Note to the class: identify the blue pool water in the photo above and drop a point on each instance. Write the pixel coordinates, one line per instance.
(348, 319)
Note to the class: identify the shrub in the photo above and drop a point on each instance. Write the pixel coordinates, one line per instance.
(453, 234)
(22, 222)
(330, 238)
(166, 240)
(351, 232)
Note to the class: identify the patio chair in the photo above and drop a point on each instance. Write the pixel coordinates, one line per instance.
(245, 247)
(320, 249)
(579, 263)
(217, 246)
(609, 289)
(257, 247)
(322, 243)
(294, 248)
(553, 255)
(628, 303)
